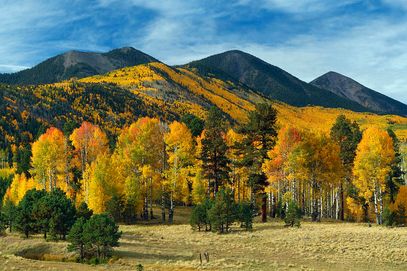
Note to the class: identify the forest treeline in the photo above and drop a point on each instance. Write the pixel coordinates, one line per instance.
(348, 174)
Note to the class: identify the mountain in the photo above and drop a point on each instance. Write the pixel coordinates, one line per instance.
(77, 64)
(269, 80)
(119, 97)
(348, 88)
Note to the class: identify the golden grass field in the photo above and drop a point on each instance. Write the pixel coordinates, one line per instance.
(270, 246)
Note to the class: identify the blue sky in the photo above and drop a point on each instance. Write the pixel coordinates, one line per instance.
(363, 39)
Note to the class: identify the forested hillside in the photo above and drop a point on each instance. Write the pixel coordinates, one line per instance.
(117, 98)
(140, 141)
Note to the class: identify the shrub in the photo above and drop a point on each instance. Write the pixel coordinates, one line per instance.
(293, 215)
(222, 213)
(280, 210)
(9, 211)
(94, 237)
(245, 215)
(395, 217)
(199, 217)
(116, 206)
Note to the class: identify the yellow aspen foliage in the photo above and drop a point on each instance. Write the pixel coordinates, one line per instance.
(180, 149)
(89, 141)
(49, 158)
(141, 145)
(354, 209)
(99, 175)
(372, 165)
(276, 168)
(199, 183)
(19, 186)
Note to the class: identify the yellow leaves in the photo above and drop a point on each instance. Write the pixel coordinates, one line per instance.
(321, 119)
(99, 176)
(180, 144)
(373, 160)
(19, 186)
(49, 158)
(89, 142)
(135, 77)
(354, 208)
(180, 149)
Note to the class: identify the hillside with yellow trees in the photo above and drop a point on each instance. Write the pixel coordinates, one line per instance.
(118, 98)
(139, 142)
(183, 91)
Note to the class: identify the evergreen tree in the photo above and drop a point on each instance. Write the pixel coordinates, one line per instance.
(9, 211)
(83, 211)
(293, 215)
(223, 212)
(195, 124)
(25, 221)
(102, 233)
(395, 179)
(347, 135)
(76, 238)
(62, 213)
(214, 148)
(259, 137)
(245, 215)
(199, 217)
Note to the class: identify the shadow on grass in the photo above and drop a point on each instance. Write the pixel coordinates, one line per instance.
(128, 250)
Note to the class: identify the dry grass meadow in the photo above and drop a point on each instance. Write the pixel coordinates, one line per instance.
(270, 246)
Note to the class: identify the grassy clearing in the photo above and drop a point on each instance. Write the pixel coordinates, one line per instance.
(314, 246)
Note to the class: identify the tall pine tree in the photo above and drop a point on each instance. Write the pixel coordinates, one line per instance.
(347, 135)
(259, 137)
(213, 155)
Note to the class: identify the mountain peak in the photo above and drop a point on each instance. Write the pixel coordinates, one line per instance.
(349, 88)
(269, 80)
(75, 63)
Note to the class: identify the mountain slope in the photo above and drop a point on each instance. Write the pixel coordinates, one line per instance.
(116, 99)
(269, 80)
(77, 64)
(350, 89)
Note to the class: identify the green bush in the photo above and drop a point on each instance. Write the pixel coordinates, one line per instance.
(94, 237)
(293, 215)
(2, 224)
(9, 211)
(223, 212)
(394, 218)
(199, 217)
(245, 215)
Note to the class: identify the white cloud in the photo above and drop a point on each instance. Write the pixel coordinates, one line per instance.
(368, 49)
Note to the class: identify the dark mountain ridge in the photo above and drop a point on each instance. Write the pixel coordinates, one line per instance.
(271, 81)
(77, 64)
(348, 88)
